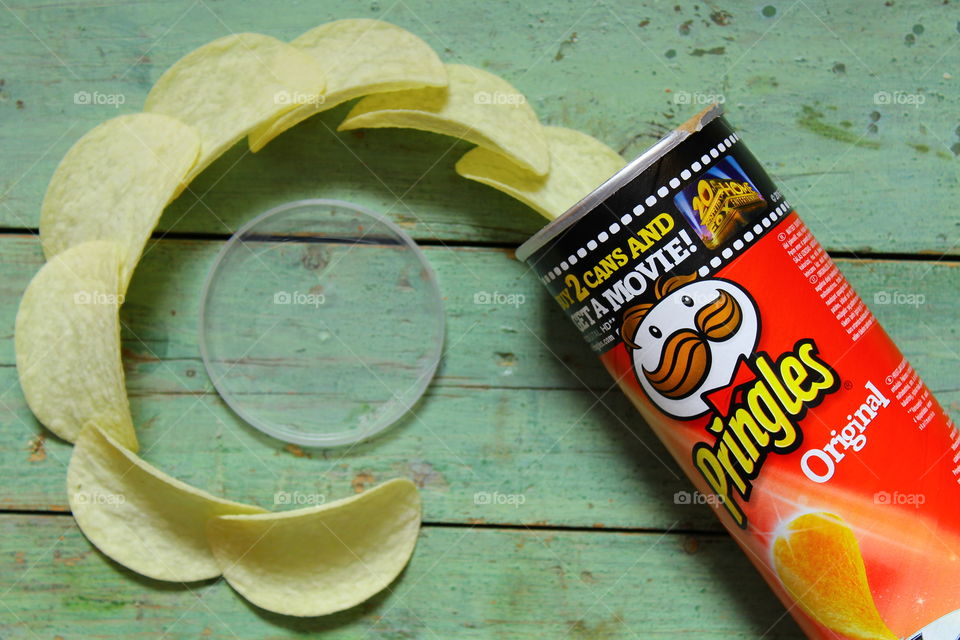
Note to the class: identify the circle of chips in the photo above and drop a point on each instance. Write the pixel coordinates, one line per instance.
(101, 207)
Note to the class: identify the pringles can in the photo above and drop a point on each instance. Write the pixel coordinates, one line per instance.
(771, 383)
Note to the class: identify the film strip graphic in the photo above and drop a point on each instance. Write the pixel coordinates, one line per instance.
(673, 185)
(746, 240)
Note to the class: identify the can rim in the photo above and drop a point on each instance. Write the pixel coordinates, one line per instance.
(634, 168)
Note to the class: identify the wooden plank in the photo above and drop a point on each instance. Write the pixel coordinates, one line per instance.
(505, 415)
(528, 344)
(463, 583)
(801, 83)
(566, 459)
(509, 415)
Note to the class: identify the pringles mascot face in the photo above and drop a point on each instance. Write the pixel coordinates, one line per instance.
(690, 341)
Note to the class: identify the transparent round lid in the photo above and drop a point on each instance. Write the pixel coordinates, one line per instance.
(321, 323)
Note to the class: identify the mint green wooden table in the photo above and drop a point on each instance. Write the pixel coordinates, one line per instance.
(853, 107)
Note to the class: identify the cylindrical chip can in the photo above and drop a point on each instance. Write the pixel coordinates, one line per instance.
(769, 380)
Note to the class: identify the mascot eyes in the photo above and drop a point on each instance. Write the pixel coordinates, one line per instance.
(687, 301)
(655, 332)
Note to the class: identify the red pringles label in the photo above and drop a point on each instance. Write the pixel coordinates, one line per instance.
(766, 376)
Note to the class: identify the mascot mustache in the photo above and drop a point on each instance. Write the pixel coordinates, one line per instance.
(685, 359)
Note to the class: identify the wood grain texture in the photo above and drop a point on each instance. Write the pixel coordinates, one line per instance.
(853, 109)
(800, 84)
(519, 406)
(461, 583)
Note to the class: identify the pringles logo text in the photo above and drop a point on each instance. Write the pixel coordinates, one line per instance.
(694, 354)
(766, 418)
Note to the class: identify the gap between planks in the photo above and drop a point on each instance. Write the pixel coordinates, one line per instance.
(494, 526)
(865, 255)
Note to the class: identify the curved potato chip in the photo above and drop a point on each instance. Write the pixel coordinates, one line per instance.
(231, 85)
(819, 563)
(319, 560)
(476, 105)
(361, 56)
(67, 341)
(114, 183)
(578, 164)
(144, 519)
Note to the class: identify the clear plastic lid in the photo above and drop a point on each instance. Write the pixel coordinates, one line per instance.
(321, 323)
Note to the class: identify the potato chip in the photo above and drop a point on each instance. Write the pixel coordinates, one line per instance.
(476, 105)
(230, 86)
(578, 164)
(819, 562)
(144, 519)
(360, 56)
(67, 340)
(114, 183)
(319, 560)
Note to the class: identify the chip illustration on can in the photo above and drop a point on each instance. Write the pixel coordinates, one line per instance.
(748, 353)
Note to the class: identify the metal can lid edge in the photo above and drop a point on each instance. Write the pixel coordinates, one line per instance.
(634, 168)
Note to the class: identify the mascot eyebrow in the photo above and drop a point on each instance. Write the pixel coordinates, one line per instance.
(685, 356)
(635, 314)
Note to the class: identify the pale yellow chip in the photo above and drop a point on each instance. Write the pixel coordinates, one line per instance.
(360, 57)
(819, 563)
(476, 105)
(144, 519)
(319, 560)
(578, 164)
(232, 85)
(67, 341)
(114, 183)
